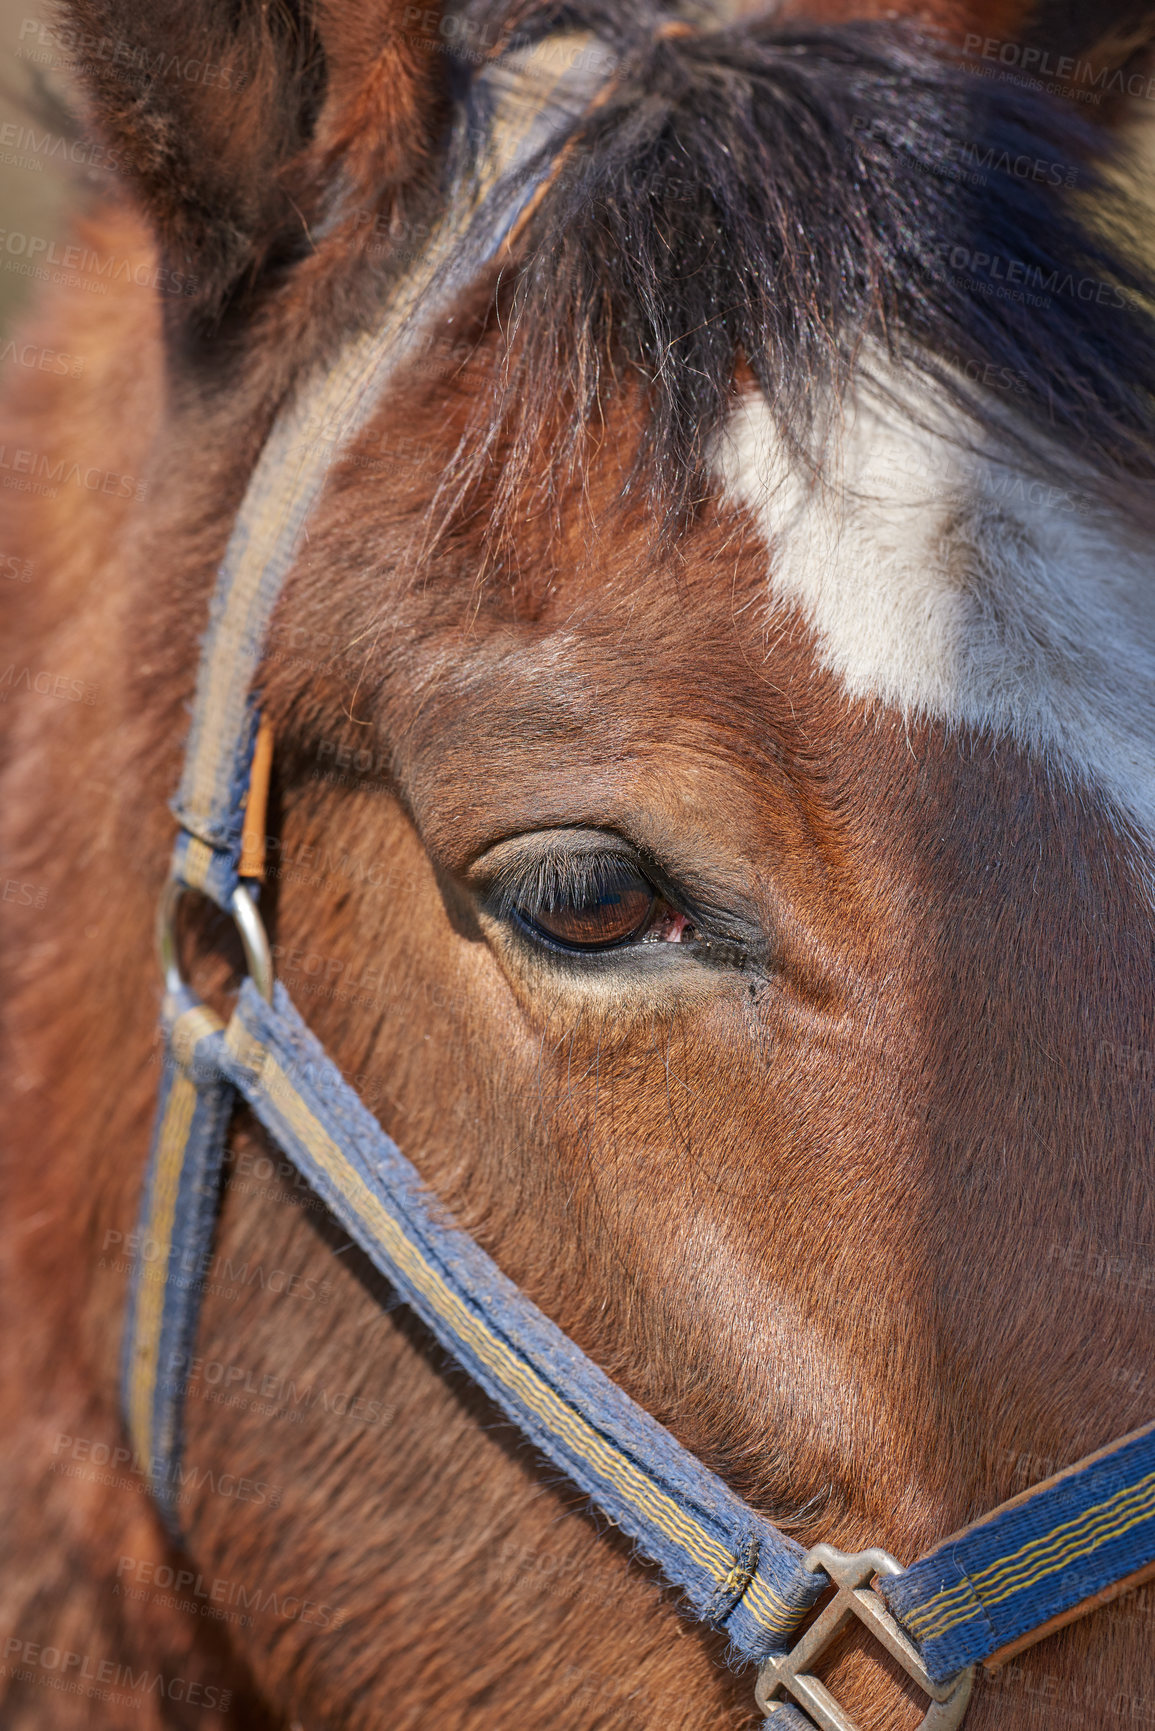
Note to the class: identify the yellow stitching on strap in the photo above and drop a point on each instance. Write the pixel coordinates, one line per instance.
(768, 1607)
(1037, 1557)
(962, 1593)
(173, 1138)
(506, 1365)
(1040, 1557)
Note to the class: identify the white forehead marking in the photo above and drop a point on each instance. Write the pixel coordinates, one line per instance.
(941, 583)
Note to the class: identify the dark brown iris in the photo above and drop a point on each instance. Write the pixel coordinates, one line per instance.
(602, 918)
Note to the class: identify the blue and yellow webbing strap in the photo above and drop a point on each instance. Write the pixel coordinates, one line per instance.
(736, 1569)
(172, 1245)
(1049, 1555)
(515, 118)
(1039, 1561)
(738, 1572)
(1020, 1570)
(501, 154)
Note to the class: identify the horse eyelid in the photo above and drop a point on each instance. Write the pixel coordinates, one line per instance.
(531, 887)
(535, 868)
(524, 888)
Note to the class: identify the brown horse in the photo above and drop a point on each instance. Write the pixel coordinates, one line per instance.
(756, 564)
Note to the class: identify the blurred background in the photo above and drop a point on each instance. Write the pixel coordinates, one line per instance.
(42, 158)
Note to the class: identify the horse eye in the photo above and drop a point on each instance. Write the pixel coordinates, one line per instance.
(598, 916)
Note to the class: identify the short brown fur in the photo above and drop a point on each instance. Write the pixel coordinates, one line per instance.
(833, 1218)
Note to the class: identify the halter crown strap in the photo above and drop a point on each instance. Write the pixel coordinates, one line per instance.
(1046, 1556)
(735, 1568)
(516, 108)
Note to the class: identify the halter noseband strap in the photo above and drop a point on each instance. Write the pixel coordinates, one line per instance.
(1033, 1564)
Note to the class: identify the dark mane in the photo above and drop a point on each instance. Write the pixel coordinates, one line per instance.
(775, 198)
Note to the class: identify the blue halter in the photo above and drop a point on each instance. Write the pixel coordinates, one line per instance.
(1037, 1562)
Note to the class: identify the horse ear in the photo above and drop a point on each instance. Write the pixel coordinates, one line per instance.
(235, 121)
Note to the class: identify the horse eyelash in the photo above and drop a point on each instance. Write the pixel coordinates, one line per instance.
(533, 886)
(523, 889)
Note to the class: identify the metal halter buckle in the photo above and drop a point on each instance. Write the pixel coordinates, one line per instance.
(254, 939)
(790, 1674)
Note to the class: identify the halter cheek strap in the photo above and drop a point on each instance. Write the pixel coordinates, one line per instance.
(735, 1568)
(1036, 1562)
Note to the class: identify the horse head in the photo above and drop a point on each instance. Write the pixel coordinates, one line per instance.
(711, 823)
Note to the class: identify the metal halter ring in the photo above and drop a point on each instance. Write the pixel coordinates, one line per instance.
(790, 1674)
(249, 924)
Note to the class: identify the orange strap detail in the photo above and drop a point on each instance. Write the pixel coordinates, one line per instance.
(256, 806)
